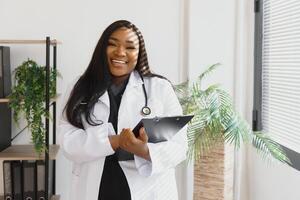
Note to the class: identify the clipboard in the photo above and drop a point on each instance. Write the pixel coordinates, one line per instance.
(158, 129)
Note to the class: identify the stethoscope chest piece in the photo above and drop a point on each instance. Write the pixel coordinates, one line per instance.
(146, 110)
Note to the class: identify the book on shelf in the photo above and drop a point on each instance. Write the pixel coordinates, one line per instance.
(16, 174)
(8, 195)
(24, 180)
(29, 179)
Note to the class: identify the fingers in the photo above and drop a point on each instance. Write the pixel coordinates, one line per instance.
(126, 138)
(143, 135)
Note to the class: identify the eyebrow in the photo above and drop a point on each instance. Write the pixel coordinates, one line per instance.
(115, 39)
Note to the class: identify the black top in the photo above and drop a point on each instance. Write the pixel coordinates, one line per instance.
(113, 184)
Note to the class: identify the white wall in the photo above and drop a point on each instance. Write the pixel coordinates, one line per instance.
(79, 24)
(257, 180)
(222, 31)
(272, 181)
(211, 39)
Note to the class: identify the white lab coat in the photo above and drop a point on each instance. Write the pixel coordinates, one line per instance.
(88, 148)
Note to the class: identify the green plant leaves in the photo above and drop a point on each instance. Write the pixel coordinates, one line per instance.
(217, 121)
(28, 97)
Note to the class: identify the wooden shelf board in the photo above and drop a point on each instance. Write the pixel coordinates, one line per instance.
(52, 42)
(6, 100)
(54, 197)
(26, 152)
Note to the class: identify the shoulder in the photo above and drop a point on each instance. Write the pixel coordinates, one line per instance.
(158, 82)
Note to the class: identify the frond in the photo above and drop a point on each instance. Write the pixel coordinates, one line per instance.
(215, 120)
(268, 148)
(200, 139)
(208, 71)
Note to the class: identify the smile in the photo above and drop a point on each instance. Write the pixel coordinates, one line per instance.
(118, 61)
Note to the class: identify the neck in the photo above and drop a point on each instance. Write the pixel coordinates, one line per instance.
(118, 80)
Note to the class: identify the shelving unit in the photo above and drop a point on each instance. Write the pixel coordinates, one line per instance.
(6, 100)
(27, 152)
(54, 197)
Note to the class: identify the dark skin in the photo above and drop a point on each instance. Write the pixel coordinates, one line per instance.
(122, 55)
(127, 141)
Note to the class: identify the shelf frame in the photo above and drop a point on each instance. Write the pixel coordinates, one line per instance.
(52, 42)
(26, 152)
(48, 43)
(54, 99)
(53, 197)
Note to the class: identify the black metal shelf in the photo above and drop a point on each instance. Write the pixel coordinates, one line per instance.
(54, 197)
(49, 43)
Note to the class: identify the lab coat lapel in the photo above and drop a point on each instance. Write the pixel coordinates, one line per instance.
(105, 99)
(133, 94)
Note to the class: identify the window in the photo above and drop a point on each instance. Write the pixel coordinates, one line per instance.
(277, 71)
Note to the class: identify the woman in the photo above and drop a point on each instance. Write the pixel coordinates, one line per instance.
(115, 92)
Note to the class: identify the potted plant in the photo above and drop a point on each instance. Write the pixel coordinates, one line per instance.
(216, 122)
(28, 97)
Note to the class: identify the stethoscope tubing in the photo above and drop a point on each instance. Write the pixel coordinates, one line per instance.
(145, 110)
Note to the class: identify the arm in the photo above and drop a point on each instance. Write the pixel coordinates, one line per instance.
(165, 155)
(81, 145)
(90, 143)
(114, 141)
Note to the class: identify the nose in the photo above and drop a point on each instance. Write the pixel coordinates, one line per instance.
(120, 51)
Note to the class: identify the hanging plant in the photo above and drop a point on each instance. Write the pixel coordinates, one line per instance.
(28, 97)
(216, 120)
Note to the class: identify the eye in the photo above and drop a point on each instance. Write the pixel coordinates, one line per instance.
(131, 47)
(111, 44)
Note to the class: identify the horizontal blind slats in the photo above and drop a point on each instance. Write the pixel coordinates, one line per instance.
(281, 71)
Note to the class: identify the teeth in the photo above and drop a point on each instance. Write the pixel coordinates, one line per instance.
(119, 61)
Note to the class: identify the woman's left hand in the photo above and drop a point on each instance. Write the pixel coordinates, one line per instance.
(137, 146)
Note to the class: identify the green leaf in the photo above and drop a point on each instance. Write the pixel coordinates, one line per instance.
(28, 95)
(215, 120)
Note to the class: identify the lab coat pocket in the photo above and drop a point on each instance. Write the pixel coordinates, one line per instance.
(76, 168)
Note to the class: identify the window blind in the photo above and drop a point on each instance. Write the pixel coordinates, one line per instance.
(281, 71)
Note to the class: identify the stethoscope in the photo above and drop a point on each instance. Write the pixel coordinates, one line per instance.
(145, 109)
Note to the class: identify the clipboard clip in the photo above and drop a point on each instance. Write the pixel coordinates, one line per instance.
(156, 119)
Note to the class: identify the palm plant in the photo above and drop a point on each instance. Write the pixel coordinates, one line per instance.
(215, 120)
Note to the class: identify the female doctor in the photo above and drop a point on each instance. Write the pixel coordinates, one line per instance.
(115, 92)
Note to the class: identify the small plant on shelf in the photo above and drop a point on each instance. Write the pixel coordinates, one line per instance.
(28, 97)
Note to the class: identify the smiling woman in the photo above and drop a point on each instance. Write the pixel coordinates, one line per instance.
(122, 53)
(115, 92)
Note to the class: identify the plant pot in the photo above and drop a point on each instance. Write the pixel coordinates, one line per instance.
(213, 174)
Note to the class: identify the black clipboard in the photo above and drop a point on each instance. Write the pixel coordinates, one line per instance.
(158, 129)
